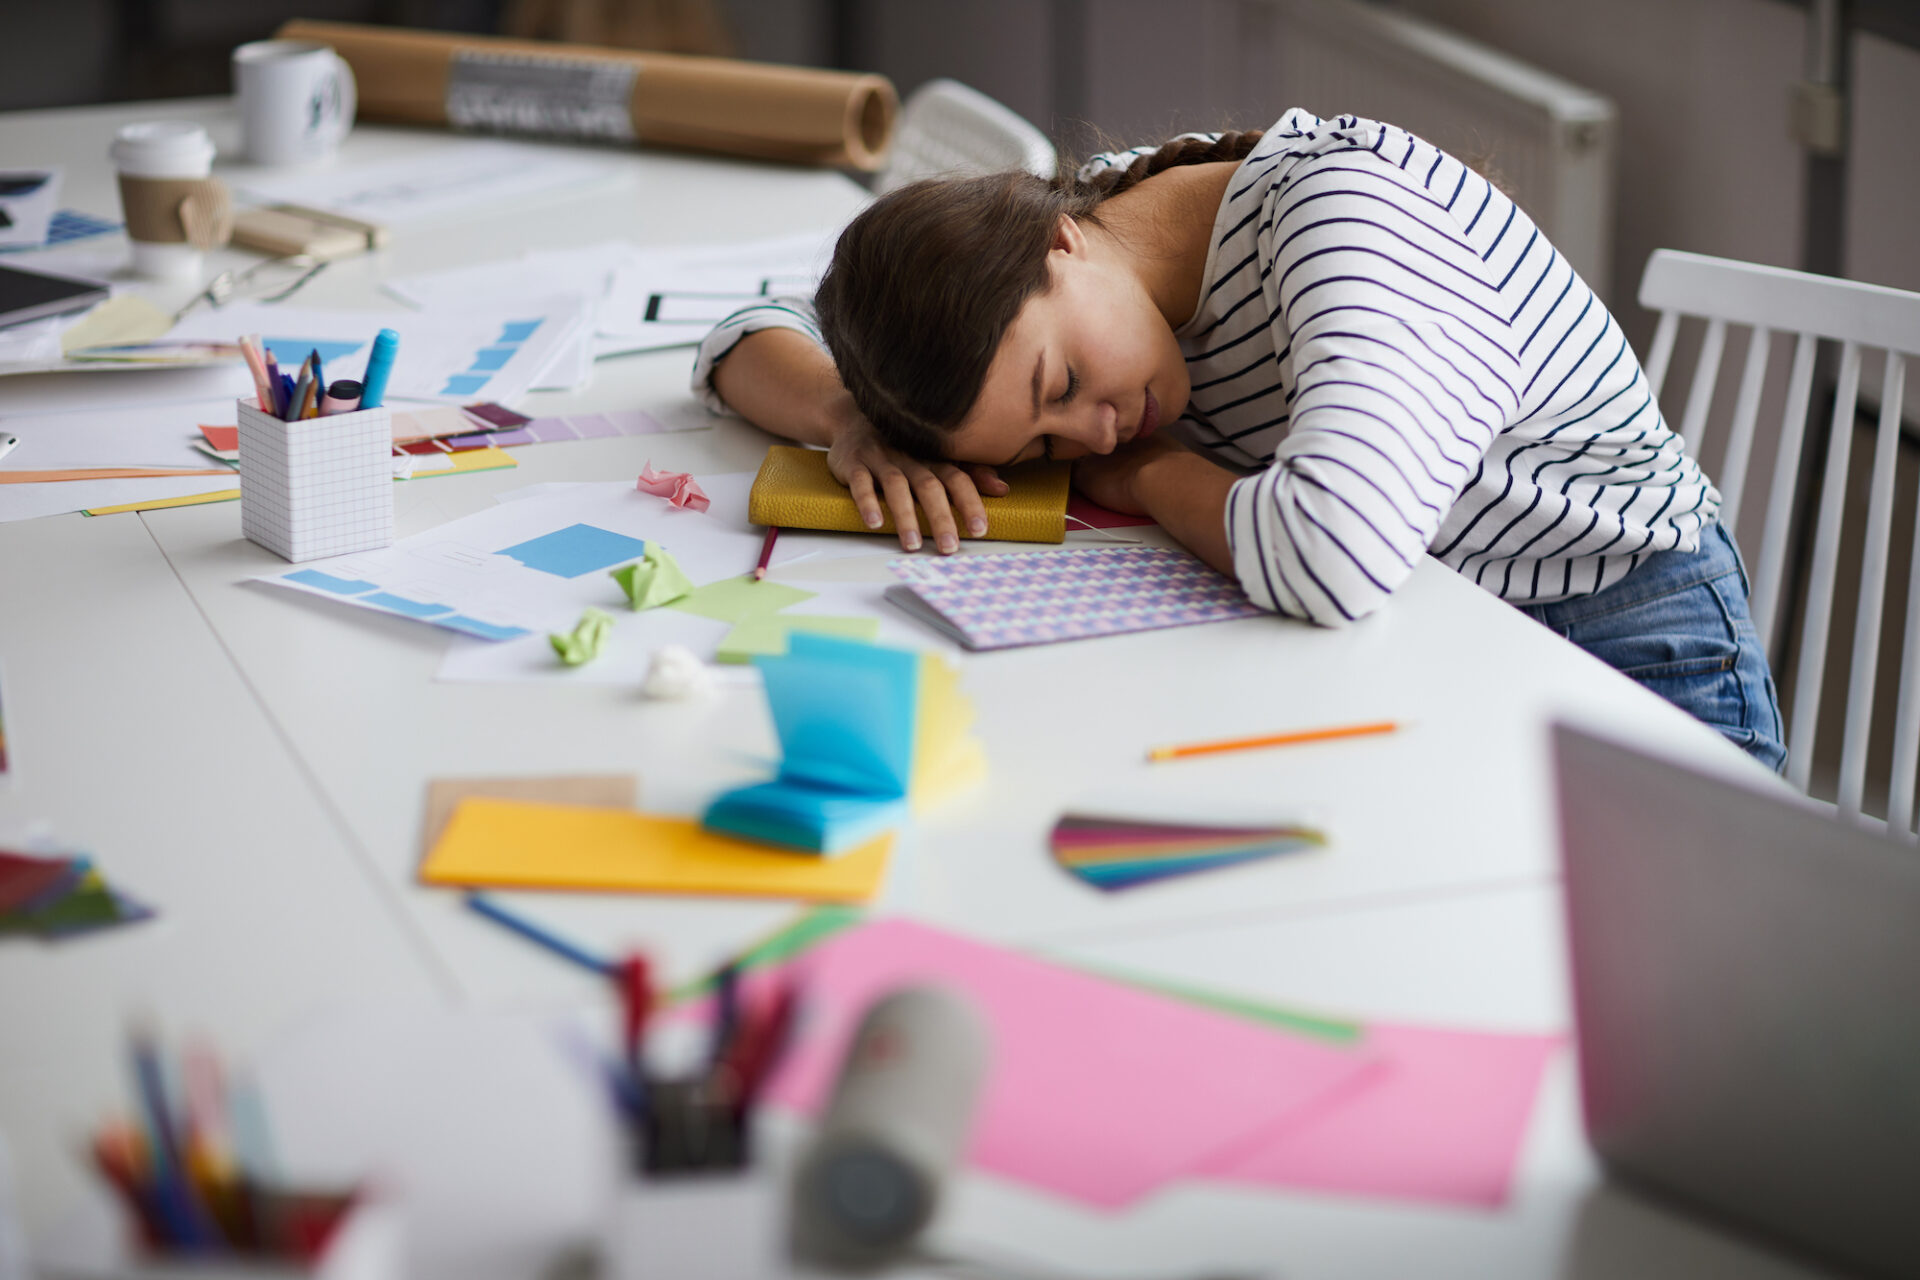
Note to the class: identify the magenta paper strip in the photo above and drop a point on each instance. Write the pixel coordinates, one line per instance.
(1099, 1092)
(1443, 1121)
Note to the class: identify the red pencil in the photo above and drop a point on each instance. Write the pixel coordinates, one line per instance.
(766, 553)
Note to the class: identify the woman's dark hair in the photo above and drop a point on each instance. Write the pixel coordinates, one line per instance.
(925, 282)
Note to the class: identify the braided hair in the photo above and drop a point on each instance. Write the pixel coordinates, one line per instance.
(925, 282)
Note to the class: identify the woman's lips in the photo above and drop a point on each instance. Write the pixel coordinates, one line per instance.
(1149, 417)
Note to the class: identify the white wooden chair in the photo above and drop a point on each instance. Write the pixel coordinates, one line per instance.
(946, 128)
(1859, 317)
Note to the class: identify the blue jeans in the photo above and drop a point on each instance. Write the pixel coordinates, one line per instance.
(1678, 624)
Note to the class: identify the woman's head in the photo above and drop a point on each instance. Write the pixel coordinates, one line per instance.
(986, 318)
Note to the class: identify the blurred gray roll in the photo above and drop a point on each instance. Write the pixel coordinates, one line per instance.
(902, 1108)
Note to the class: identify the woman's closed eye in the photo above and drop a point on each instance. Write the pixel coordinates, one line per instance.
(1073, 388)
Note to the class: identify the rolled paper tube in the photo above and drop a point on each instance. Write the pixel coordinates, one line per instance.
(798, 114)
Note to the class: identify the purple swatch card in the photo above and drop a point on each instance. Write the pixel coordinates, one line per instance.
(997, 602)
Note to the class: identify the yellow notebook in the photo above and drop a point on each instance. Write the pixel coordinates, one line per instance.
(794, 490)
(514, 844)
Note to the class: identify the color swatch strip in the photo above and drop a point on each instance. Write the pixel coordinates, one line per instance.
(1113, 853)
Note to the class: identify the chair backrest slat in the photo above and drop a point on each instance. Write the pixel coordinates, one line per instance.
(1733, 468)
(1706, 376)
(1906, 714)
(1660, 354)
(1873, 588)
(1786, 482)
(1826, 558)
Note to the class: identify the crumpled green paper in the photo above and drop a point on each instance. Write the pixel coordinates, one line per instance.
(653, 580)
(583, 644)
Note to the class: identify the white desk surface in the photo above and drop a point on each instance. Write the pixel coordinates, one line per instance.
(254, 763)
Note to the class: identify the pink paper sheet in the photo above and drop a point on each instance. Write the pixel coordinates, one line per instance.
(677, 487)
(1442, 1121)
(1098, 1091)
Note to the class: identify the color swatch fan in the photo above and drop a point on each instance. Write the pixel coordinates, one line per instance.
(1118, 853)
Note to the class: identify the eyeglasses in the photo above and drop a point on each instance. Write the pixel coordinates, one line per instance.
(268, 281)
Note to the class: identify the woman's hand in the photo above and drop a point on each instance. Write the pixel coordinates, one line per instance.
(1111, 479)
(874, 472)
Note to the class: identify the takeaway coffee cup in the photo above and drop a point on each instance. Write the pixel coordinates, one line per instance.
(296, 100)
(174, 208)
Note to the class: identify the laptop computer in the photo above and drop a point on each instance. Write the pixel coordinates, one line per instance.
(1746, 990)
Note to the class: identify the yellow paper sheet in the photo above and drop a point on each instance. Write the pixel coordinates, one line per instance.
(947, 758)
(119, 321)
(487, 459)
(512, 844)
(108, 473)
(156, 504)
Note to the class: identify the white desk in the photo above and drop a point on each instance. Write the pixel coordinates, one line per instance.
(280, 843)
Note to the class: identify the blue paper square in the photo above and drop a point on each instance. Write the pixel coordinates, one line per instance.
(327, 582)
(465, 384)
(484, 630)
(491, 359)
(289, 352)
(517, 331)
(576, 550)
(400, 604)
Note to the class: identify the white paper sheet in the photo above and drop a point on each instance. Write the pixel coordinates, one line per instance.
(454, 353)
(100, 390)
(458, 178)
(477, 576)
(30, 501)
(152, 436)
(672, 297)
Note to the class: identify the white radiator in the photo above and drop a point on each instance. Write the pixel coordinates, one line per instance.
(1549, 143)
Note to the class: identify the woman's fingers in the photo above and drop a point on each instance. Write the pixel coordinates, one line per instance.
(932, 492)
(860, 484)
(965, 499)
(899, 492)
(987, 480)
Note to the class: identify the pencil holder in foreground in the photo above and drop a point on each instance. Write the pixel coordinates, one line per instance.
(317, 486)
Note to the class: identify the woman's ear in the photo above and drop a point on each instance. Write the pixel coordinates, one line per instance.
(1068, 236)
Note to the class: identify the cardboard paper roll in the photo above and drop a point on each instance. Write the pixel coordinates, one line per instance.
(754, 109)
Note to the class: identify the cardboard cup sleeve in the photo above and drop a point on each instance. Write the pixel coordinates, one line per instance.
(797, 114)
(177, 210)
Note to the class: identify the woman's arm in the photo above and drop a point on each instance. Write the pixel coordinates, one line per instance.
(782, 380)
(1185, 493)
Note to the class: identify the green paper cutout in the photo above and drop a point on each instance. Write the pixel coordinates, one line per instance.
(766, 634)
(737, 599)
(583, 644)
(653, 580)
(813, 927)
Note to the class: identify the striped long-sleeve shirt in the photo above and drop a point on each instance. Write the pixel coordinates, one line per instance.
(1405, 365)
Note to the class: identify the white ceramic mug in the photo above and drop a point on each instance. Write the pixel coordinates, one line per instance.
(159, 162)
(296, 100)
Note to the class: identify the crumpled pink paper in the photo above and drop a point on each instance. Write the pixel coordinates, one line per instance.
(677, 487)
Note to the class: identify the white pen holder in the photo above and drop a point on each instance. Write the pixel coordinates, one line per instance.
(94, 1243)
(706, 1226)
(319, 486)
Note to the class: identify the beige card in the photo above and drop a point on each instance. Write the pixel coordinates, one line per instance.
(595, 791)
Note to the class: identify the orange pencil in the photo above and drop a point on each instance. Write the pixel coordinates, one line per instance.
(1270, 740)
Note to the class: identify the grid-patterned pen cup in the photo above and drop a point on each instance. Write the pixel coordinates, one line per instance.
(319, 486)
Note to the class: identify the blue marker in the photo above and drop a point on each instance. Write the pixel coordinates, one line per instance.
(373, 388)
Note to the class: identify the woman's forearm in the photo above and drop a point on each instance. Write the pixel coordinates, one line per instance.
(779, 379)
(1187, 495)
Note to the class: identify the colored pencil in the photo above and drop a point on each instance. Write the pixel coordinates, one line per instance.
(766, 553)
(1270, 740)
(538, 934)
